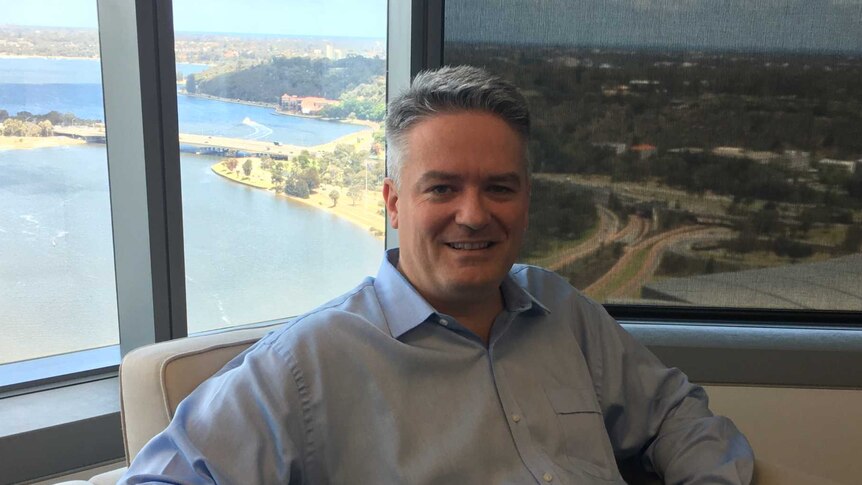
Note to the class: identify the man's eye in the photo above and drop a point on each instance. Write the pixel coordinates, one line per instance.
(440, 189)
(501, 189)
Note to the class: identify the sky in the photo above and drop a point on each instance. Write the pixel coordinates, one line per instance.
(817, 25)
(830, 25)
(343, 18)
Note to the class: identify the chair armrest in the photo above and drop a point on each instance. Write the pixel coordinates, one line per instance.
(109, 477)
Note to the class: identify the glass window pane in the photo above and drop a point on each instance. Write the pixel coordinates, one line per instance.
(280, 108)
(686, 154)
(56, 253)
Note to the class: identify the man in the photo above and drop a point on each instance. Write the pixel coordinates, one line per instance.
(452, 365)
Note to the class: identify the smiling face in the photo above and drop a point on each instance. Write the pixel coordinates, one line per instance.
(461, 208)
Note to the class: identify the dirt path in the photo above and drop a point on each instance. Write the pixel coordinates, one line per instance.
(632, 288)
(641, 260)
(608, 226)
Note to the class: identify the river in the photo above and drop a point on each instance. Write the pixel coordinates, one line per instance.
(249, 256)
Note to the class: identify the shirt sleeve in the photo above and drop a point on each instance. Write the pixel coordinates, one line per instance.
(241, 426)
(653, 412)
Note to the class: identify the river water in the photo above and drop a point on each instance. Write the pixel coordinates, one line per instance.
(250, 256)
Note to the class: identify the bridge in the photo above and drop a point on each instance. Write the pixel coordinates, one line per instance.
(199, 143)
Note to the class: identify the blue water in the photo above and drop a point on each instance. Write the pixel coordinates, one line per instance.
(74, 86)
(250, 256)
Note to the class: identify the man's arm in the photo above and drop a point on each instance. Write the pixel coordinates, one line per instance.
(243, 425)
(653, 412)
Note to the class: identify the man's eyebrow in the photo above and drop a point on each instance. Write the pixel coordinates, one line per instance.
(437, 176)
(440, 176)
(506, 178)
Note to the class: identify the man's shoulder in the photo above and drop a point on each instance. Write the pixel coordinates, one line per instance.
(553, 290)
(528, 274)
(543, 283)
(357, 310)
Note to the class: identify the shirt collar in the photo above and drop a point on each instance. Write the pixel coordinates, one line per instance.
(517, 299)
(404, 308)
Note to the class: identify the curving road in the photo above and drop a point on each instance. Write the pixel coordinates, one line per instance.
(641, 260)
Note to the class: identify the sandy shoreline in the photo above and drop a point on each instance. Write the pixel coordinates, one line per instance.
(30, 142)
(33, 56)
(275, 110)
(364, 214)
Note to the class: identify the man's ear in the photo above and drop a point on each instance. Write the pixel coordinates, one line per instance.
(390, 198)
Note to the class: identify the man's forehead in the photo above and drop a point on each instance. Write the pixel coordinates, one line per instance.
(491, 176)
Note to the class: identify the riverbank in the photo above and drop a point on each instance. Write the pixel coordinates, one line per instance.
(38, 56)
(365, 214)
(30, 142)
(276, 111)
(259, 104)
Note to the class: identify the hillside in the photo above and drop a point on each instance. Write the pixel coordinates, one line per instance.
(296, 75)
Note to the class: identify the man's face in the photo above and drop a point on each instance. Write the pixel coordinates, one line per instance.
(461, 208)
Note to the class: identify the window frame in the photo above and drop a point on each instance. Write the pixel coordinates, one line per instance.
(137, 50)
(434, 51)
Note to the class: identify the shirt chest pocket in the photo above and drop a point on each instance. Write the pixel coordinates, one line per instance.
(581, 421)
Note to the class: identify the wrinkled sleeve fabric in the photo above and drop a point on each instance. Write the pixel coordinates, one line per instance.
(244, 425)
(654, 412)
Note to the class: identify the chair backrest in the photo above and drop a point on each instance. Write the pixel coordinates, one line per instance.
(155, 378)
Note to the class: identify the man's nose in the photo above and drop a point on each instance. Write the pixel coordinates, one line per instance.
(473, 211)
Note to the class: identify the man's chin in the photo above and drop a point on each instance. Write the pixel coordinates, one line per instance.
(470, 286)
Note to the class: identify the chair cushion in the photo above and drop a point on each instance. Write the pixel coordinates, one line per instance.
(155, 378)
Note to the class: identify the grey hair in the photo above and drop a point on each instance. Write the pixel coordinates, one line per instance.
(447, 90)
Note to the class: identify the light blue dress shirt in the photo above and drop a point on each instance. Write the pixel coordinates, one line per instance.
(376, 387)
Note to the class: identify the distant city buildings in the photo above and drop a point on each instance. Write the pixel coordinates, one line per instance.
(644, 150)
(849, 165)
(308, 105)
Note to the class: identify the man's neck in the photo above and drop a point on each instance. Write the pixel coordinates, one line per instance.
(477, 313)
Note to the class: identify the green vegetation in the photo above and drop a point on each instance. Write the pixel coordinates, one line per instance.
(559, 212)
(586, 271)
(364, 102)
(25, 123)
(732, 139)
(677, 264)
(298, 76)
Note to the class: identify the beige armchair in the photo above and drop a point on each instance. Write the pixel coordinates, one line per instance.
(154, 379)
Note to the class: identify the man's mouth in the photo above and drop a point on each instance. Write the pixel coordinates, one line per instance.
(470, 246)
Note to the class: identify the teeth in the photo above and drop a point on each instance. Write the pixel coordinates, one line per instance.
(468, 246)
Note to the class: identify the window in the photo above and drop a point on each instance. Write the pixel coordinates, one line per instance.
(281, 140)
(132, 33)
(678, 165)
(56, 248)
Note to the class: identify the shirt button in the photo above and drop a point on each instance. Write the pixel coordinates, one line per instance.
(516, 418)
(444, 322)
(547, 477)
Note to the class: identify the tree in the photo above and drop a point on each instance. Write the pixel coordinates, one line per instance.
(311, 177)
(13, 127)
(355, 193)
(304, 160)
(277, 173)
(191, 84)
(266, 162)
(31, 129)
(296, 187)
(334, 195)
(246, 167)
(46, 127)
(230, 163)
(852, 238)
